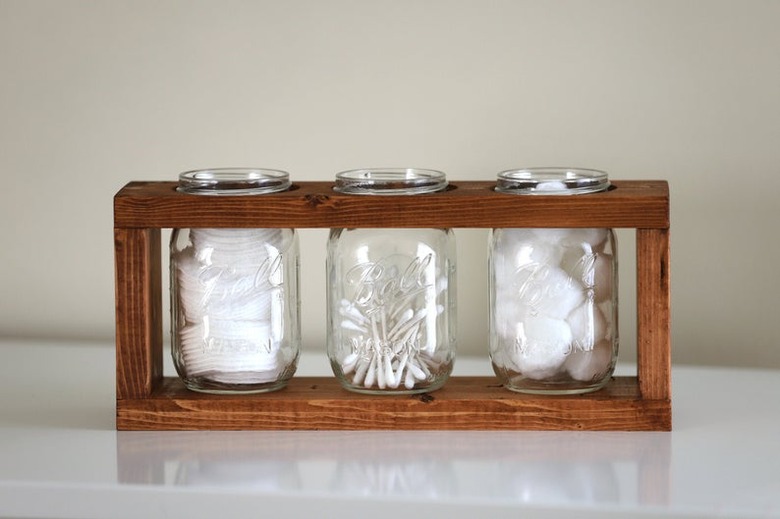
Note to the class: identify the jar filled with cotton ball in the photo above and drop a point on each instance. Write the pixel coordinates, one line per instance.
(553, 293)
(391, 293)
(235, 324)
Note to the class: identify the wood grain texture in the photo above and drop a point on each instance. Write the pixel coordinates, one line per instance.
(630, 204)
(653, 313)
(464, 403)
(138, 311)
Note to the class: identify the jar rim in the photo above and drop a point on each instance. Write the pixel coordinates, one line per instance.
(233, 181)
(552, 181)
(390, 181)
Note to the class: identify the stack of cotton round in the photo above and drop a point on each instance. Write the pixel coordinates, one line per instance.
(230, 352)
(228, 282)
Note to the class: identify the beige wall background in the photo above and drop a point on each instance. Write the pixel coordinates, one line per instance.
(94, 94)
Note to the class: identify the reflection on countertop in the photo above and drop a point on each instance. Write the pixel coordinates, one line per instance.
(521, 467)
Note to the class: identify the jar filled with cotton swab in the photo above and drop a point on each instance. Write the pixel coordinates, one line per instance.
(235, 324)
(391, 293)
(553, 293)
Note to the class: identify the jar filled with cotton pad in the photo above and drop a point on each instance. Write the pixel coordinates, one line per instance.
(553, 293)
(391, 293)
(235, 324)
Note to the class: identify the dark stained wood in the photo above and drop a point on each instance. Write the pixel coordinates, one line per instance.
(630, 204)
(653, 313)
(138, 311)
(464, 403)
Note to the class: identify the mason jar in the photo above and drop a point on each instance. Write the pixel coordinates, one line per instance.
(235, 325)
(553, 293)
(391, 293)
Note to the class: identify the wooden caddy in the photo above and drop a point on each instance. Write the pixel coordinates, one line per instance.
(145, 400)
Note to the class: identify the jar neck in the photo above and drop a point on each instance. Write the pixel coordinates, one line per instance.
(233, 181)
(390, 181)
(552, 181)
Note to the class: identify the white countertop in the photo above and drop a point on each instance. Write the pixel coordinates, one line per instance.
(61, 457)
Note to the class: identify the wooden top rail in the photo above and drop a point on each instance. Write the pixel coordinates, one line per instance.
(474, 204)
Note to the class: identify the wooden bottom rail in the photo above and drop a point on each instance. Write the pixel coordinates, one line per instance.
(464, 403)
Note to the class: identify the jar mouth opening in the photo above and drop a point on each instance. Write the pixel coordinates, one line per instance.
(233, 181)
(390, 181)
(552, 181)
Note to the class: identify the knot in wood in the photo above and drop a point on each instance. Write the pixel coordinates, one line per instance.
(316, 199)
(426, 398)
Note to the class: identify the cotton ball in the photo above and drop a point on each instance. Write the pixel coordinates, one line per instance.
(504, 322)
(588, 326)
(509, 306)
(533, 250)
(579, 244)
(543, 344)
(578, 261)
(552, 293)
(595, 238)
(508, 237)
(543, 253)
(604, 277)
(550, 235)
(573, 237)
(589, 366)
(594, 270)
(551, 185)
(515, 248)
(508, 310)
(504, 353)
(609, 311)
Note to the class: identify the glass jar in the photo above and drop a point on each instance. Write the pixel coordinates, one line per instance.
(553, 293)
(391, 294)
(235, 325)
